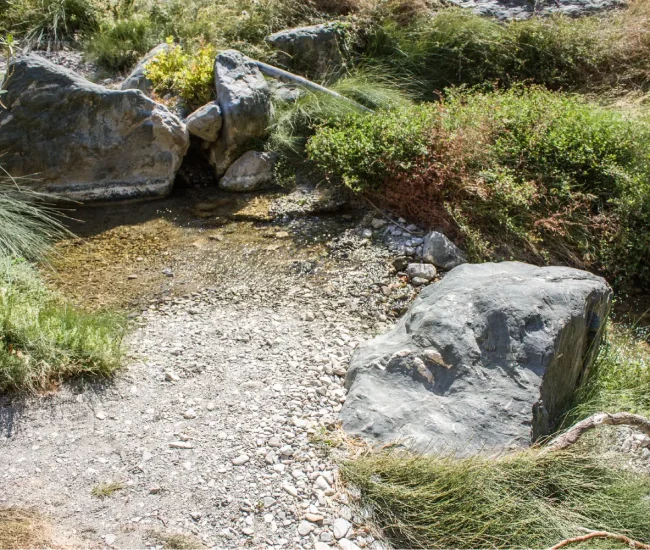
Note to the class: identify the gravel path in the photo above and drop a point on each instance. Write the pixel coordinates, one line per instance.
(214, 431)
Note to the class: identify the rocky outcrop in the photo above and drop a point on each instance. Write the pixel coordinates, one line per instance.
(313, 51)
(441, 252)
(244, 98)
(82, 141)
(523, 9)
(488, 358)
(137, 80)
(205, 122)
(250, 172)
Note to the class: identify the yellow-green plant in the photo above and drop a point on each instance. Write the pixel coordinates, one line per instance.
(188, 75)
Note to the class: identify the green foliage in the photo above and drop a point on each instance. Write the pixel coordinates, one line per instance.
(544, 177)
(121, 43)
(190, 76)
(44, 339)
(525, 500)
(457, 47)
(50, 23)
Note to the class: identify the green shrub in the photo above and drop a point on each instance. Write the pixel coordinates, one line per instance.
(188, 75)
(120, 44)
(44, 339)
(524, 173)
(525, 500)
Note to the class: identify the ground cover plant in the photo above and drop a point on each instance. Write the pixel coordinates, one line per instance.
(518, 174)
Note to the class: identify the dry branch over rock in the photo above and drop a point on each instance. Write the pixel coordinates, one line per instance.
(599, 419)
(601, 535)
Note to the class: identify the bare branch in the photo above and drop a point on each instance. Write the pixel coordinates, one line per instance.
(286, 76)
(602, 535)
(617, 419)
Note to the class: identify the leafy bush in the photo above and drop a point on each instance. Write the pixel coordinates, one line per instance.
(44, 339)
(525, 500)
(524, 173)
(120, 44)
(190, 76)
(457, 47)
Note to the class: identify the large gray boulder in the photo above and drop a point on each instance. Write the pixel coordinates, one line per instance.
(83, 141)
(137, 80)
(313, 51)
(244, 98)
(488, 358)
(250, 172)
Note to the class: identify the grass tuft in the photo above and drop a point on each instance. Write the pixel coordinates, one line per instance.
(525, 500)
(44, 339)
(104, 490)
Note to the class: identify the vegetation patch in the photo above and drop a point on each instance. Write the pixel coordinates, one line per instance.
(21, 528)
(189, 76)
(597, 53)
(44, 339)
(176, 541)
(104, 490)
(519, 174)
(619, 380)
(525, 500)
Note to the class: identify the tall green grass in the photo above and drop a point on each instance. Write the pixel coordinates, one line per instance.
(454, 47)
(525, 500)
(50, 23)
(44, 339)
(27, 224)
(619, 380)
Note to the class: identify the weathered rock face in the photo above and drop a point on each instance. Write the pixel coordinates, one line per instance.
(244, 98)
(486, 358)
(250, 172)
(137, 79)
(523, 9)
(83, 141)
(205, 122)
(313, 50)
(441, 252)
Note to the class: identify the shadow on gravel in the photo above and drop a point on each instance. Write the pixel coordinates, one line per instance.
(76, 399)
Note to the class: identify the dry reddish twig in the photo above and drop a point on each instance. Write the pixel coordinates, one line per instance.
(599, 419)
(603, 535)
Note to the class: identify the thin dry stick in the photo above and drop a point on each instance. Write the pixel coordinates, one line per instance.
(599, 419)
(603, 535)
